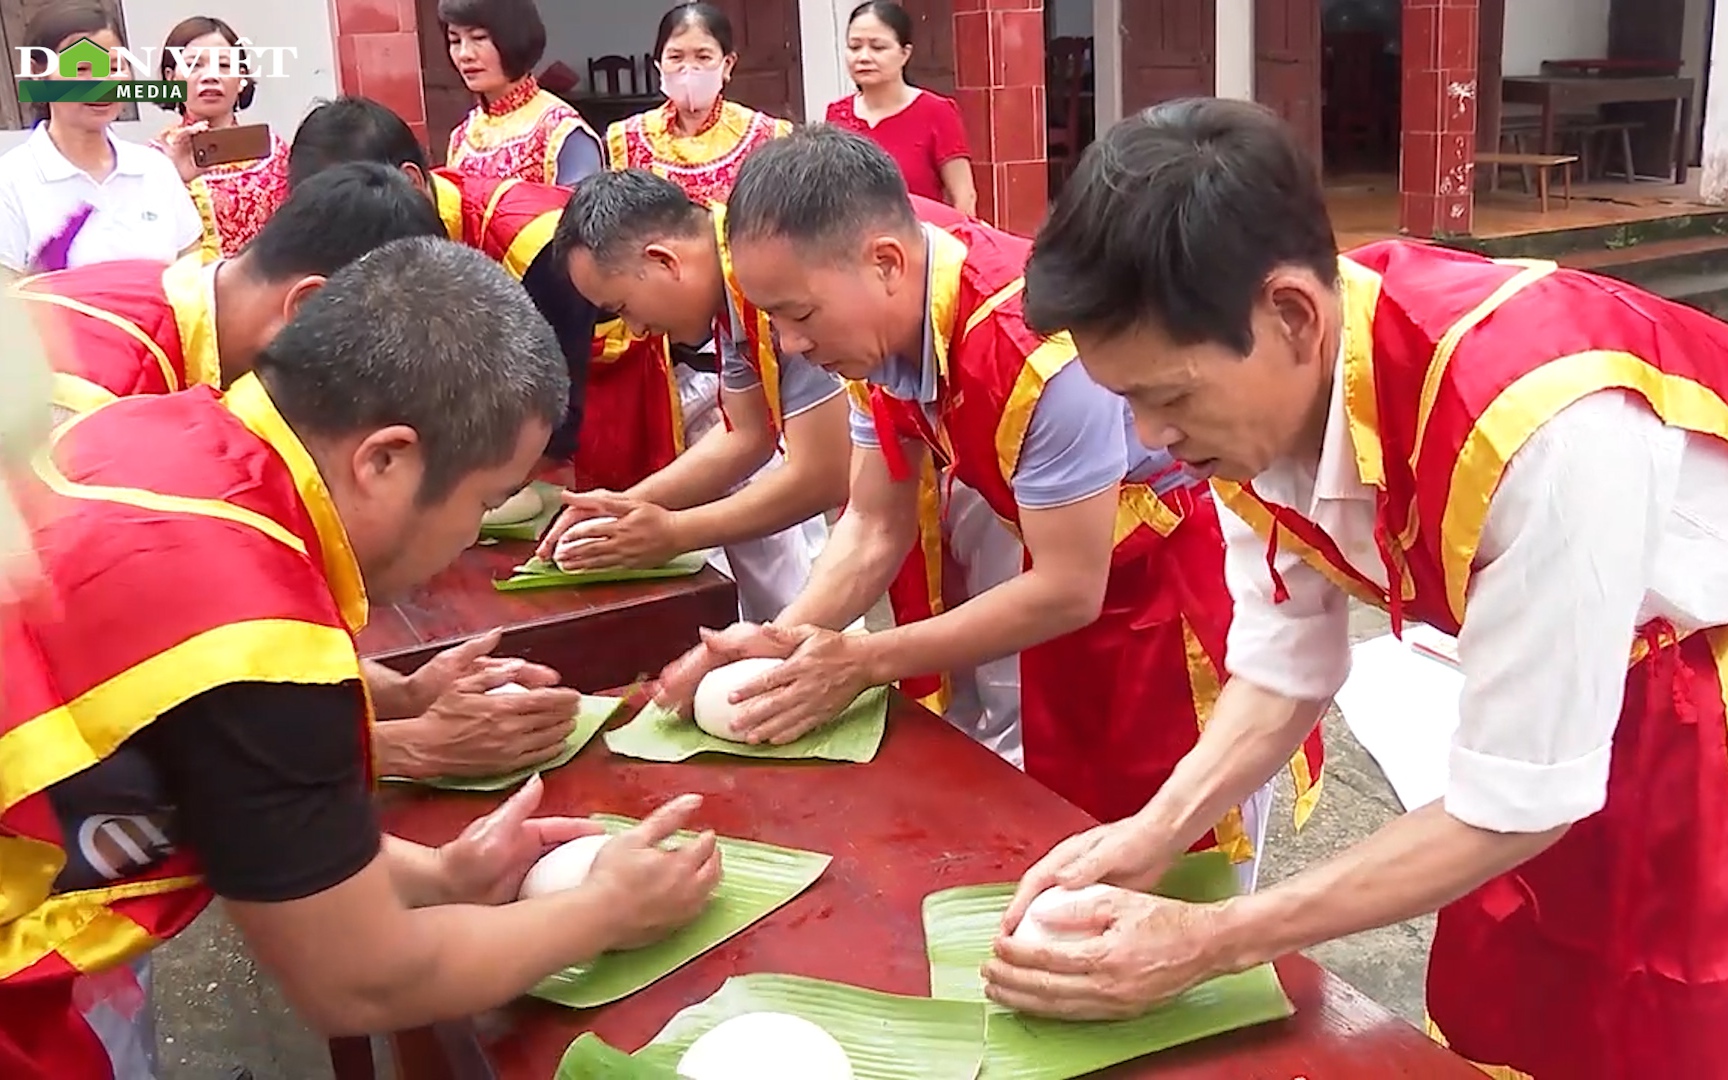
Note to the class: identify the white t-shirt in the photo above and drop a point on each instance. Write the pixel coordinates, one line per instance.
(142, 209)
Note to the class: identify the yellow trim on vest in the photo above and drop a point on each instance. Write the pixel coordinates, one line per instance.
(210, 241)
(56, 481)
(1040, 367)
(498, 193)
(252, 406)
(947, 261)
(995, 300)
(49, 747)
(617, 146)
(189, 286)
(1533, 272)
(930, 545)
(1530, 401)
(79, 395)
(1230, 832)
(529, 242)
(767, 357)
(82, 928)
(1361, 299)
(125, 325)
(1307, 786)
(1259, 518)
(447, 197)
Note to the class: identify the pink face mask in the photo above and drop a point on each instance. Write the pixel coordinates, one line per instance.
(693, 91)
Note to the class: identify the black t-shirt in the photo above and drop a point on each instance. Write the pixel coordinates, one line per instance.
(265, 782)
(572, 317)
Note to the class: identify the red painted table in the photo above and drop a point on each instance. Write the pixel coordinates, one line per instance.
(594, 636)
(934, 810)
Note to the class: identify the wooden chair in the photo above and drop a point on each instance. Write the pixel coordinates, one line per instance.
(613, 69)
(650, 74)
(1069, 59)
(1542, 164)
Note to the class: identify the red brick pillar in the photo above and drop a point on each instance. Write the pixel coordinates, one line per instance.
(999, 83)
(378, 56)
(1439, 114)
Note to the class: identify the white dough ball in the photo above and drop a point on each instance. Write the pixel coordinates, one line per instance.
(765, 1046)
(564, 867)
(525, 505)
(1034, 931)
(715, 712)
(509, 688)
(580, 533)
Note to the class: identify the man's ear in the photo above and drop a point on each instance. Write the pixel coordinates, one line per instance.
(299, 293)
(416, 176)
(389, 456)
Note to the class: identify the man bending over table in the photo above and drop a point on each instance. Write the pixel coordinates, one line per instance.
(190, 719)
(1529, 457)
(1120, 616)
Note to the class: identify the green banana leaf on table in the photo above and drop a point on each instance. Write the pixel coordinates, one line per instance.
(534, 526)
(756, 880)
(657, 734)
(961, 924)
(591, 715)
(538, 573)
(885, 1036)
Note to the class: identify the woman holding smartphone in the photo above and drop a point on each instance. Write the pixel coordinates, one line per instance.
(234, 199)
(72, 194)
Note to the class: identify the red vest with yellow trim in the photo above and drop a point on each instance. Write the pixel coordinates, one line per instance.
(132, 546)
(633, 424)
(510, 220)
(705, 164)
(1606, 956)
(117, 329)
(1107, 710)
(518, 136)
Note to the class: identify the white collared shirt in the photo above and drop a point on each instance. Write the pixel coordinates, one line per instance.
(142, 209)
(1604, 520)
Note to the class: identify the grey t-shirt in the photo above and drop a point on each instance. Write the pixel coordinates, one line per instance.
(803, 385)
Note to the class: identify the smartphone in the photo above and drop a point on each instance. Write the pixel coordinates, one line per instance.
(225, 146)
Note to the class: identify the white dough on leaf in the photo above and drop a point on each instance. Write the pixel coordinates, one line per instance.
(1035, 931)
(715, 712)
(765, 1046)
(525, 505)
(564, 867)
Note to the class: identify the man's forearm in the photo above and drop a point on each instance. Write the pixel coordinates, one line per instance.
(400, 748)
(1023, 611)
(720, 461)
(1251, 734)
(854, 570)
(416, 871)
(1416, 864)
(776, 500)
(393, 696)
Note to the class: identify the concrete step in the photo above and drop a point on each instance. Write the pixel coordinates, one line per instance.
(1706, 292)
(1562, 242)
(1661, 260)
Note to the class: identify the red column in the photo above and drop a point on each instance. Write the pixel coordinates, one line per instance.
(378, 56)
(999, 83)
(1439, 117)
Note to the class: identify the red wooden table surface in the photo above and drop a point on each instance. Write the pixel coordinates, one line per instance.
(595, 636)
(934, 810)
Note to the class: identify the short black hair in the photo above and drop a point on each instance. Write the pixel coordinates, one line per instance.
(514, 26)
(820, 187)
(614, 211)
(889, 14)
(394, 338)
(1176, 217)
(705, 17)
(336, 217)
(351, 129)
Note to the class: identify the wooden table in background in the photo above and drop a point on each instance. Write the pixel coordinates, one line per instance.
(934, 810)
(595, 636)
(1558, 94)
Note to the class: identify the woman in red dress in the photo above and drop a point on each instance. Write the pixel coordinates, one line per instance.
(921, 130)
(233, 200)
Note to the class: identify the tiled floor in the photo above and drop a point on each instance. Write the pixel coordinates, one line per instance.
(1365, 208)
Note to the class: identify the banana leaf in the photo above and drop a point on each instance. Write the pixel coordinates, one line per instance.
(538, 573)
(658, 734)
(756, 880)
(590, 1058)
(534, 526)
(886, 1036)
(961, 924)
(591, 715)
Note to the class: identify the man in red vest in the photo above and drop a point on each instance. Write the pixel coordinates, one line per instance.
(184, 712)
(1120, 615)
(1529, 457)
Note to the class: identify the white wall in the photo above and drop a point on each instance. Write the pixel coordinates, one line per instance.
(580, 30)
(1538, 30)
(300, 24)
(1714, 184)
(1070, 18)
(1234, 58)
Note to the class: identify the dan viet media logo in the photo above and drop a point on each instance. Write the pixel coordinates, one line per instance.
(86, 72)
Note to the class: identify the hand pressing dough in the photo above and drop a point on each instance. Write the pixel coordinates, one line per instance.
(715, 713)
(1033, 929)
(509, 688)
(580, 533)
(525, 505)
(564, 867)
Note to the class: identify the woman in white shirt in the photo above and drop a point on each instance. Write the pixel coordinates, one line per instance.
(73, 194)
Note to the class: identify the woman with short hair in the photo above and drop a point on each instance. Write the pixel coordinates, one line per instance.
(517, 130)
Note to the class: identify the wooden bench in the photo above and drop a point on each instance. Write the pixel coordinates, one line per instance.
(1543, 164)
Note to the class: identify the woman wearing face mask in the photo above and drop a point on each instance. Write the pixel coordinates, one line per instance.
(517, 130)
(921, 131)
(72, 194)
(698, 138)
(234, 200)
